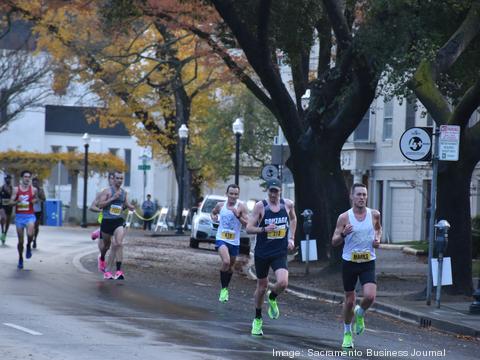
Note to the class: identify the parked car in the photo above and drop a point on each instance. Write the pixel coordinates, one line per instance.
(204, 229)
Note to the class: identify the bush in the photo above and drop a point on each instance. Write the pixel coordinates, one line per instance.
(476, 237)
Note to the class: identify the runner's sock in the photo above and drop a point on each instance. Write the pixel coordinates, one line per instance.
(229, 277)
(361, 311)
(273, 295)
(258, 313)
(347, 328)
(119, 265)
(224, 279)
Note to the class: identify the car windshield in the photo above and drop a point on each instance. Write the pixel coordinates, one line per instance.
(208, 205)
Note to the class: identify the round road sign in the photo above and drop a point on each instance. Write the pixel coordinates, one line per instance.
(416, 144)
(269, 172)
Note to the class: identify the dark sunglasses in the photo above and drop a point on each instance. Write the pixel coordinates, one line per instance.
(273, 190)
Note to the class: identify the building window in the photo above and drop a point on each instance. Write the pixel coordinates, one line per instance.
(128, 162)
(362, 131)
(410, 112)
(56, 149)
(113, 151)
(387, 120)
(71, 149)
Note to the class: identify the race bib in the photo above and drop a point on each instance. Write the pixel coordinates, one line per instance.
(227, 235)
(360, 256)
(23, 204)
(5, 201)
(115, 210)
(279, 233)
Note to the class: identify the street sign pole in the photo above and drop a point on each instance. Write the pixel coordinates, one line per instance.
(433, 205)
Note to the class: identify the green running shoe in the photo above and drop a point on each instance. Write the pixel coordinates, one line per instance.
(359, 324)
(257, 327)
(3, 237)
(347, 340)
(223, 295)
(273, 311)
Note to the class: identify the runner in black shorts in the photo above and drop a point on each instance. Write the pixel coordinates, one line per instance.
(360, 230)
(274, 221)
(5, 207)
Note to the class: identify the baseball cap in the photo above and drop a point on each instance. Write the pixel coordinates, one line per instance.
(274, 184)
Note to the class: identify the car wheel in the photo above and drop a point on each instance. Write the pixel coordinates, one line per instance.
(193, 243)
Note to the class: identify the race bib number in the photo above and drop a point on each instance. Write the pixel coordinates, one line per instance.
(279, 233)
(23, 203)
(115, 210)
(227, 235)
(5, 201)
(360, 256)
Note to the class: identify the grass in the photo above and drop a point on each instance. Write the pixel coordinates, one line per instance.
(417, 245)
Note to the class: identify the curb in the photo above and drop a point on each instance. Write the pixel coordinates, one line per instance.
(397, 312)
(412, 251)
(391, 247)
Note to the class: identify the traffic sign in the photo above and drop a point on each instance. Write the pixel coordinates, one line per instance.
(449, 142)
(144, 167)
(416, 144)
(269, 172)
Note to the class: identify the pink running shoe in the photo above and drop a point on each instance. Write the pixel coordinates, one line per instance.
(119, 275)
(108, 276)
(96, 234)
(101, 265)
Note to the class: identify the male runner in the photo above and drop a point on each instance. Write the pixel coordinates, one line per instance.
(38, 208)
(231, 215)
(5, 207)
(274, 221)
(112, 201)
(23, 197)
(360, 230)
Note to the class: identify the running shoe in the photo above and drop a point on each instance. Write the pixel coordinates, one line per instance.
(359, 324)
(3, 238)
(273, 311)
(96, 234)
(119, 275)
(20, 264)
(29, 252)
(347, 340)
(257, 327)
(108, 276)
(223, 295)
(101, 264)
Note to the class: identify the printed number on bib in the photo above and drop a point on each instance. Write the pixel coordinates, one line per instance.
(227, 235)
(5, 201)
(115, 210)
(360, 256)
(279, 233)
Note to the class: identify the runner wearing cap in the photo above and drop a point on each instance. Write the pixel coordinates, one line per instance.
(274, 222)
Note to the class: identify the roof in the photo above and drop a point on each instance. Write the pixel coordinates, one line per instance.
(73, 120)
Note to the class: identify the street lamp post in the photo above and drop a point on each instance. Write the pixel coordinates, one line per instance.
(237, 128)
(86, 142)
(183, 135)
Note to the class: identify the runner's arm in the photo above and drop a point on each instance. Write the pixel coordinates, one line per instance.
(254, 218)
(338, 236)
(243, 218)
(378, 228)
(216, 211)
(35, 198)
(293, 225)
(104, 200)
(13, 198)
(41, 194)
(94, 206)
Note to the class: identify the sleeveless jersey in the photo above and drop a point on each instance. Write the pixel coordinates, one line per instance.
(115, 208)
(5, 197)
(229, 226)
(273, 243)
(24, 198)
(358, 245)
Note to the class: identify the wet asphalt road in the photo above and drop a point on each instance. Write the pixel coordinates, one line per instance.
(59, 308)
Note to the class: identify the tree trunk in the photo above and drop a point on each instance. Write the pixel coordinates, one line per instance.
(453, 205)
(320, 187)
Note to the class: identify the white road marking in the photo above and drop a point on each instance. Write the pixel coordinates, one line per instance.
(77, 263)
(24, 329)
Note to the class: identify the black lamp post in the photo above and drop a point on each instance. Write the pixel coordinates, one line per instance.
(183, 135)
(86, 142)
(475, 306)
(238, 131)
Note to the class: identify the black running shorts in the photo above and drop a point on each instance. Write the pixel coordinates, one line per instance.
(351, 271)
(262, 265)
(108, 226)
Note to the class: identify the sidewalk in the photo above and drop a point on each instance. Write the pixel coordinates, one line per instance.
(401, 278)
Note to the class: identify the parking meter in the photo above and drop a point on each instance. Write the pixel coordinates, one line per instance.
(441, 241)
(307, 223)
(441, 238)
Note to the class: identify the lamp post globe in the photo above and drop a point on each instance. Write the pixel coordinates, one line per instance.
(237, 128)
(183, 135)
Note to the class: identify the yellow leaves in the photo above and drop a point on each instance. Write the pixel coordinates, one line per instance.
(41, 164)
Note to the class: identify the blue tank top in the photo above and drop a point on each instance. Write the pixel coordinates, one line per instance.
(273, 243)
(115, 208)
